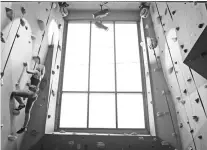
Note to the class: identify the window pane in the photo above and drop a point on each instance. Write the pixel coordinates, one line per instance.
(102, 111)
(73, 115)
(127, 57)
(77, 57)
(130, 111)
(102, 59)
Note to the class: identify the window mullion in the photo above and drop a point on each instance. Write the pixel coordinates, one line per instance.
(89, 68)
(116, 109)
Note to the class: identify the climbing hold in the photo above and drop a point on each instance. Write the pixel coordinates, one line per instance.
(160, 114)
(164, 143)
(2, 125)
(23, 10)
(53, 72)
(46, 9)
(197, 100)
(144, 11)
(163, 24)
(200, 136)
(196, 118)
(33, 37)
(185, 50)
(159, 19)
(182, 101)
(49, 116)
(158, 57)
(62, 131)
(189, 79)
(191, 131)
(33, 132)
(41, 24)
(71, 143)
(100, 145)
(205, 86)
(173, 134)
(58, 67)
(53, 93)
(185, 91)
(12, 137)
(190, 148)
(16, 112)
(22, 22)
(17, 35)
(9, 13)
(141, 138)
(201, 25)
(2, 38)
(165, 11)
(195, 3)
(153, 43)
(171, 69)
(182, 46)
(178, 98)
(181, 125)
(26, 27)
(173, 12)
(59, 47)
(59, 26)
(175, 39)
(177, 28)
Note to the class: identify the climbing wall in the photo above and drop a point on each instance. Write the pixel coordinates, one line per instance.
(25, 33)
(175, 26)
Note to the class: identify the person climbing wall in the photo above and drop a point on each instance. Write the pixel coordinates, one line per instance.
(31, 93)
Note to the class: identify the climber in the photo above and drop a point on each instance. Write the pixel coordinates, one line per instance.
(31, 93)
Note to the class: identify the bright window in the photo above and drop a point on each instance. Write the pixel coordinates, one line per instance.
(102, 80)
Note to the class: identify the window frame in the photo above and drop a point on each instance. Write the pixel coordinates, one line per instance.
(102, 130)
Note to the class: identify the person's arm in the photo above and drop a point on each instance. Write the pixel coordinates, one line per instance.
(29, 71)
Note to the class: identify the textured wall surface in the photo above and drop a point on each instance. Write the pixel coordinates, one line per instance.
(24, 41)
(176, 29)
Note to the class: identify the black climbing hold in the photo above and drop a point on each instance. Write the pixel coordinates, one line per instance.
(58, 67)
(2, 40)
(26, 27)
(181, 125)
(195, 118)
(176, 62)
(197, 100)
(163, 24)
(191, 131)
(187, 122)
(22, 22)
(59, 26)
(2, 74)
(185, 50)
(177, 28)
(17, 35)
(23, 10)
(173, 12)
(48, 116)
(201, 25)
(185, 91)
(182, 46)
(200, 136)
(164, 31)
(9, 13)
(46, 9)
(53, 72)
(203, 54)
(29, 41)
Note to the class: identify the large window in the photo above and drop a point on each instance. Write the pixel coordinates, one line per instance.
(102, 81)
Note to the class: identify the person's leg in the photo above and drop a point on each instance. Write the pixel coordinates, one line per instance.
(28, 108)
(18, 96)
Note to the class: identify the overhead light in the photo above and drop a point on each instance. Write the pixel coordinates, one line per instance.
(101, 26)
(102, 13)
